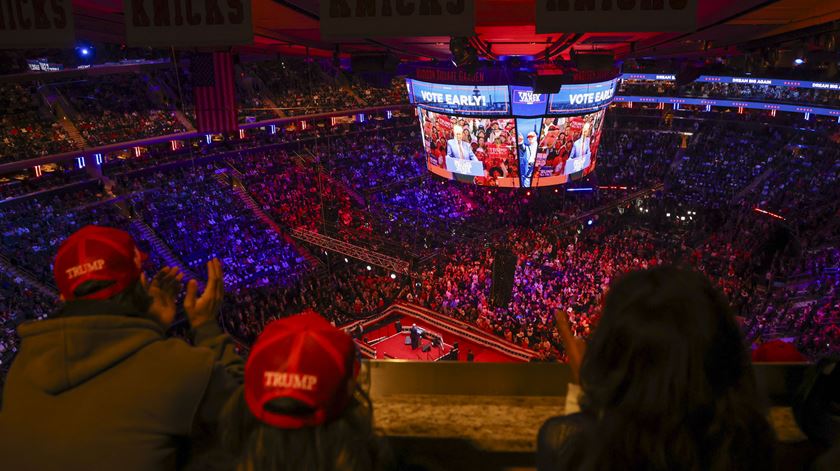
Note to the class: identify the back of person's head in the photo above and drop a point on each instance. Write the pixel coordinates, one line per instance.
(99, 263)
(300, 407)
(668, 379)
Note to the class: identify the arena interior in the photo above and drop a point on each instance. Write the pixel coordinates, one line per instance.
(448, 186)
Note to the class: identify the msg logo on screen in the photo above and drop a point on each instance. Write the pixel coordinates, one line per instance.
(529, 98)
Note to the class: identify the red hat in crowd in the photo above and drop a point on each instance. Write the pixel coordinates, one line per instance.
(96, 253)
(301, 357)
(777, 351)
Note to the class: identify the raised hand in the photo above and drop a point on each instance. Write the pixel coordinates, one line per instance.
(206, 307)
(163, 290)
(575, 347)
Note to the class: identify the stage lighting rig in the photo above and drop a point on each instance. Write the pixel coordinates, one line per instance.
(463, 53)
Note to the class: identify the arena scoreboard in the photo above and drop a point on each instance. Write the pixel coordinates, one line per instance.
(510, 135)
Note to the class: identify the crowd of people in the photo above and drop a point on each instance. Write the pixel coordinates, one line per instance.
(27, 127)
(368, 186)
(107, 114)
(302, 87)
(201, 219)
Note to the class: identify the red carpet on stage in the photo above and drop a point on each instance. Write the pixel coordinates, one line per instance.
(390, 345)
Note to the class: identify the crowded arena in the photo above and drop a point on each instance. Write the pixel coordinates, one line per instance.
(528, 235)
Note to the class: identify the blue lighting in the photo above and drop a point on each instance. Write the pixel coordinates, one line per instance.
(579, 189)
(589, 222)
(799, 61)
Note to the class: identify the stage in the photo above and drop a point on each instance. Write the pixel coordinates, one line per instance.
(390, 344)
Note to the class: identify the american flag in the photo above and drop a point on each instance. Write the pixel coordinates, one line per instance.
(213, 88)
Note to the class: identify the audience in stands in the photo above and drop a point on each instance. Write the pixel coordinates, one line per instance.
(372, 192)
(107, 114)
(28, 127)
(732, 91)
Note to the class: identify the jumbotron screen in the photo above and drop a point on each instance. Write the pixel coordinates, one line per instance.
(510, 136)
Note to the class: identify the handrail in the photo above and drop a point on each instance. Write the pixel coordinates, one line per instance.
(464, 330)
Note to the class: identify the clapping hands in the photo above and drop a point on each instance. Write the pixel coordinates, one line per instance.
(167, 283)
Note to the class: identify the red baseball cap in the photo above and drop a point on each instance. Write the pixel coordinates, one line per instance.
(778, 351)
(301, 357)
(97, 253)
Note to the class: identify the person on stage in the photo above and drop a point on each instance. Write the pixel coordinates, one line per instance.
(527, 158)
(457, 148)
(581, 154)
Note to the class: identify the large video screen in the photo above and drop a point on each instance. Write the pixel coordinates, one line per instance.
(576, 98)
(557, 149)
(470, 149)
(462, 99)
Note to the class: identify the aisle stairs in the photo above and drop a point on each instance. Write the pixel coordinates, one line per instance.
(161, 248)
(240, 191)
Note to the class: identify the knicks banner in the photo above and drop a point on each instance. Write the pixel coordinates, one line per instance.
(187, 23)
(584, 16)
(36, 24)
(372, 18)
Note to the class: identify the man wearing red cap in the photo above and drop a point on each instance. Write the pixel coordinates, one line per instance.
(98, 385)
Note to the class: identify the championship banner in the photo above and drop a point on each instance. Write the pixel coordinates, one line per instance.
(36, 24)
(164, 23)
(588, 16)
(376, 18)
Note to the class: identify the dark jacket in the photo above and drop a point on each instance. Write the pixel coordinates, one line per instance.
(557, 440)
(96, 387)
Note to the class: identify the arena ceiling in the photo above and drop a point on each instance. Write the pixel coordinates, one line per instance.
(506, 28)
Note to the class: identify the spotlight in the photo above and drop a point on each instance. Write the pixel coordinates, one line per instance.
(589, 222)
(667, 215)
(85, 52)
(345, 260)
(798, 61)
(369, 269)
(393, 276)
(682, 218)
